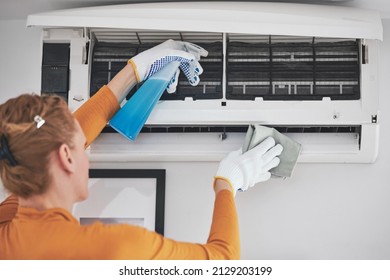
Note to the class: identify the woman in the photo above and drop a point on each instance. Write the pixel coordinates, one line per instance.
(44, 166)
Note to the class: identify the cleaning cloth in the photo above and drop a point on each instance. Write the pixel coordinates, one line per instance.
(291, 149)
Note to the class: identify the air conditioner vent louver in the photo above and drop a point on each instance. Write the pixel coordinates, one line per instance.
(140, 37)
(244, 129)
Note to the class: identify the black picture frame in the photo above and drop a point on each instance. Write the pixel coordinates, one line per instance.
(158, 174)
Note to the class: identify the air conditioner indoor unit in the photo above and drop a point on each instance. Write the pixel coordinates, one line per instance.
(310, 71)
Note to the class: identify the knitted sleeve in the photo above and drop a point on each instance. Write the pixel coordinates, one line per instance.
(96, 112)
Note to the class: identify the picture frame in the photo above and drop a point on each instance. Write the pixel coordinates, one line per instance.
(145, 192)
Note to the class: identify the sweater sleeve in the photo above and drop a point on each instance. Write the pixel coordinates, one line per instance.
(223, 242)
(139, 243)
(94, 114)
(224, 238)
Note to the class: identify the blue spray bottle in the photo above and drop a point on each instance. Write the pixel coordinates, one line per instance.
(130, 119)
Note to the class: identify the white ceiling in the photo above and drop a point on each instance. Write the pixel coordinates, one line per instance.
(19, 9)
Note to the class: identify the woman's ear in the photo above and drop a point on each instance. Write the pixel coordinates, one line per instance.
(66, 159)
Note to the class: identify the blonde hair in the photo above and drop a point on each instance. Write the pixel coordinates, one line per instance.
(31, 146)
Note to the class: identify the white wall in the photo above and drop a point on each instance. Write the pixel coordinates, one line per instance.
(326, 211)
(19, 59)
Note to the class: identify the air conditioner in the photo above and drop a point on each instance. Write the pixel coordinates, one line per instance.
(310, 71)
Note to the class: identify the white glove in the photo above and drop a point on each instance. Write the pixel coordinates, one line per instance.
(148, 62)
(243, 171)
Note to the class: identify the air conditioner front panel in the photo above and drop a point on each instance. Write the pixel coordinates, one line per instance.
(227, 17)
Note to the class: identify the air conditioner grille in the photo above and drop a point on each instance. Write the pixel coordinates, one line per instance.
(109, 58)
(242, 129)
(269, 67)
(293, 70)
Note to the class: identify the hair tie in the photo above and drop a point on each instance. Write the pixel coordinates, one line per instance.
(38, 119)
(5, 153)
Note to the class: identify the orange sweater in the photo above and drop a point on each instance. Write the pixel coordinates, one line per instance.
(26, 233)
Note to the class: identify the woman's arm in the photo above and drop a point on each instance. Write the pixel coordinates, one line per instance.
(94, 114)
(98, 110)
(224, 238)
(123, 82)
(223, 242)
(132, 242)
